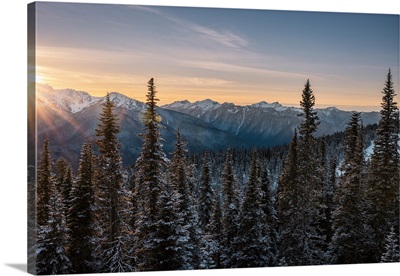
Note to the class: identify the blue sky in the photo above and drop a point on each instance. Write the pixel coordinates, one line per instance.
(234, 55)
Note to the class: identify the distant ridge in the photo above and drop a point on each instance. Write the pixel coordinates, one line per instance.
(68, 117)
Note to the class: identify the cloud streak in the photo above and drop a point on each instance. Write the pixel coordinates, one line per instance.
(222, 37)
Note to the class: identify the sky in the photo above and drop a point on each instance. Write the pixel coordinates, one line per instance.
(229, 55)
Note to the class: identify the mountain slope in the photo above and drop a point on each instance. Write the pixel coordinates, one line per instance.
(68, 117)
(67, 127)
(265, 124)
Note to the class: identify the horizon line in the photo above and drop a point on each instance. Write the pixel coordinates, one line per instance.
(167, 101)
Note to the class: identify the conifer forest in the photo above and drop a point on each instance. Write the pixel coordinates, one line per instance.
(317, 200)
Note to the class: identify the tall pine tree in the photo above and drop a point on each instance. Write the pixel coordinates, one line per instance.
(270, 214)
(289, 209)
(150, 180)
(382, 193)
(252, 243)
(311, 183)
(44, 178)
(109, 177)
(391, 252)
(181, 202)
(64, 180)
(206, 194)
(230, 212)
(80, 216)
(347, 227)
(213, 238)
(330, 206)
(300, 200)
(51, 245)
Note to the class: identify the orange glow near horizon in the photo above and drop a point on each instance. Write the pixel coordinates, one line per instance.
(79, 69)
(195, 54)
(170, 94)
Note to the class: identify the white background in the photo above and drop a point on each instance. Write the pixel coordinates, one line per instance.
(13, 143)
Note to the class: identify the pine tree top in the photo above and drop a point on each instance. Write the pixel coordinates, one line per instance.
(310, 121)
(108, 128)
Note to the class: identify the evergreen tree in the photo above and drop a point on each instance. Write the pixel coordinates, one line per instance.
(289, 208)
(230, 212)
(109, 177)
(391, 252)
(270, 214)
(51, 243)
(169, 236)
(52, 257)
(300, 200)
(347, 227)
(195, 233)
(310, 182)
(63, 183)
(213, 245)
(149, 183)
(329, 191)
(206, 194)
(310, 121)
(44, 178)
(253, 249)
(64, 180)
(181, 200)
(121, 259)
(179, 179)
(382, 193)
(80, 217)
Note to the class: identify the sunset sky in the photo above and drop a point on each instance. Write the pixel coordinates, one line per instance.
(240, 56)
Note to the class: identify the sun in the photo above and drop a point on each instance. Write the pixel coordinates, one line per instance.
(39, 78)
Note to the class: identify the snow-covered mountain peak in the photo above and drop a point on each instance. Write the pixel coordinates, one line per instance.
(121, 100)
(207, 104)
(179, 104)
(328, 110)
(74, 101)
(196, 109)
(275, 105)
(68, 99)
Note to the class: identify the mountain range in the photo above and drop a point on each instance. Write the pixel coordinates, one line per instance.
(68, 117)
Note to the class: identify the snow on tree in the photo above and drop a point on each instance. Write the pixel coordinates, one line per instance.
(51, 246)
(195, 233)
(271, 220)
(347, 227)
(251, 242)
(63, 182)
(289, 208)
(64, 179)
(80, 217)
(300, 199)
(121, 258)
(382, 192)
(391, 252)
(150, 181)
(109, 176)
(310, 182)
(212, 246)
(206, 194)
(329, 191)
(180, 195)
(230, 212)
(44, 178)
(310, 121)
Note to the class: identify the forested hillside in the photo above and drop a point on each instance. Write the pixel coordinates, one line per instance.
(319, 199)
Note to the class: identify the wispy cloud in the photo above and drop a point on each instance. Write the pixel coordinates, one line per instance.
(222, 37)
(225, 38)
(242, 69)
(193, 81)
